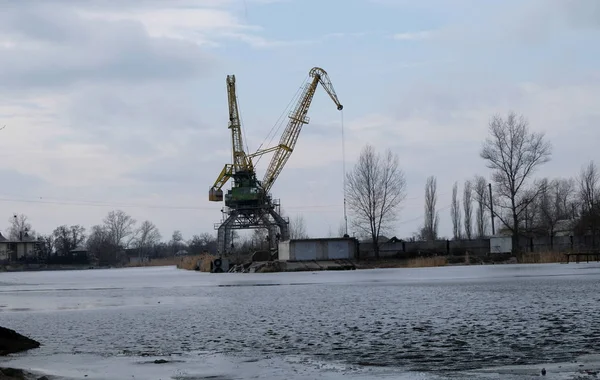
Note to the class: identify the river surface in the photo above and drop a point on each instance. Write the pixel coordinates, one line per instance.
(475, 322)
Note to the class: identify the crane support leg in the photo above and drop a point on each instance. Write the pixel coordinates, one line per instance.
(266, 217)
(224, 234)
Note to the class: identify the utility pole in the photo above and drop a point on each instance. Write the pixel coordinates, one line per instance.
(492, 209)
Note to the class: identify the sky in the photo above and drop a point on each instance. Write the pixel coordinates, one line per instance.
(122, 104)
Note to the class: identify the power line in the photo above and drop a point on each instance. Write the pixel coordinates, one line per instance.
(95, 203)
(85, 203)
(423, 216)
(71, 202)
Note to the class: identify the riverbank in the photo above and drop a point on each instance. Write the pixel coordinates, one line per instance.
(202, 262)
(19, 374)
(43, 268)
(12, 342)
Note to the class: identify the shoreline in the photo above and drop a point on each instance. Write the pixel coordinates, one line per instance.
(191, 263)
(10, 373)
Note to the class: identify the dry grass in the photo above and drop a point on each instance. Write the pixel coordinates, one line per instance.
(426, 262)
(186, 262)
(417, 262)
(190, 262)
(542, 258)
(162, 262)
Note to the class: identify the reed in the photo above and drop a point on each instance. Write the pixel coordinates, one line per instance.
(201, 262)
(185, 262)
(426, 262)
(542, 257)
(162, 262)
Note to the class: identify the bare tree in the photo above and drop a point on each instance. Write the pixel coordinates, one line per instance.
(513, 153)
(531, 214)
(47, 245)
(342, 228)
(455, 213)
(68, 238)
(298, 228)
(468, 209)
(555, 204)
(120, 227)
(430, 228)
(176, 241)
(589, 198)
(101, 245)
(482, 199)
(147, 237)
(204, 242)
(589, 186)
(19, 227)
(375, 190)
(259, 238)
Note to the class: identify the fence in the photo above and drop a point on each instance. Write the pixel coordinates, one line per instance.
(559, 243)
(478, 247)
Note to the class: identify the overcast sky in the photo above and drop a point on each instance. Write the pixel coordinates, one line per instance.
(122, 104)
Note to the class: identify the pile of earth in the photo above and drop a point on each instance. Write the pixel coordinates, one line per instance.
(12, 342)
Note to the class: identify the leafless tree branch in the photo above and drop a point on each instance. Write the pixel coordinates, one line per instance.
(513, 153)
(455, 213)
(375, 189)
(430, 228)
(468, 209)
(482, 200)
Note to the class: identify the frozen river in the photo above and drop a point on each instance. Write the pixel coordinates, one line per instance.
(479, 322)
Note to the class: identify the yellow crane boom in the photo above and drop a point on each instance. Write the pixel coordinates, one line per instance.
(241, 162)
(297, 118)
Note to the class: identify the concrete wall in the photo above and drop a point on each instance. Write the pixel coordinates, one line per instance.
(501, 244)
(407, 249)
(317, 249)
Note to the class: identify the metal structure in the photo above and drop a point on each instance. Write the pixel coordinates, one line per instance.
(248, 204)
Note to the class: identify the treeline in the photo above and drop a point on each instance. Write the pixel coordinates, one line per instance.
(119, 237)
(521, 204)
(110, 242)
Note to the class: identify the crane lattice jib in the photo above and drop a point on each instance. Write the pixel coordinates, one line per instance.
(240, 161)
(296, 119)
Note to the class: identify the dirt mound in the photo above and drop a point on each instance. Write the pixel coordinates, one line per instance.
(12, 342)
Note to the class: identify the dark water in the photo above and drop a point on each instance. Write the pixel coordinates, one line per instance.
(417, 323)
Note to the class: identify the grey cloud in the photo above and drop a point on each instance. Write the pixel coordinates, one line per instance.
(57, 47)
(195, 166)
(581, 13)
(121, 4)
(17, 184)
(138, 120)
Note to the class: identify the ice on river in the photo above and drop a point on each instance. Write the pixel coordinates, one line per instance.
(475, 322)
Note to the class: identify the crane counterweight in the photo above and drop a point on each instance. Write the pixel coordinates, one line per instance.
(248, 202)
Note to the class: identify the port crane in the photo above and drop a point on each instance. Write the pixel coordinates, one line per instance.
(248, 204)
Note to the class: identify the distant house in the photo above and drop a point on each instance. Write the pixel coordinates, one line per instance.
(79, 251)
(135, 256)
(17, 250)
(564, 227)
(381, 239)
